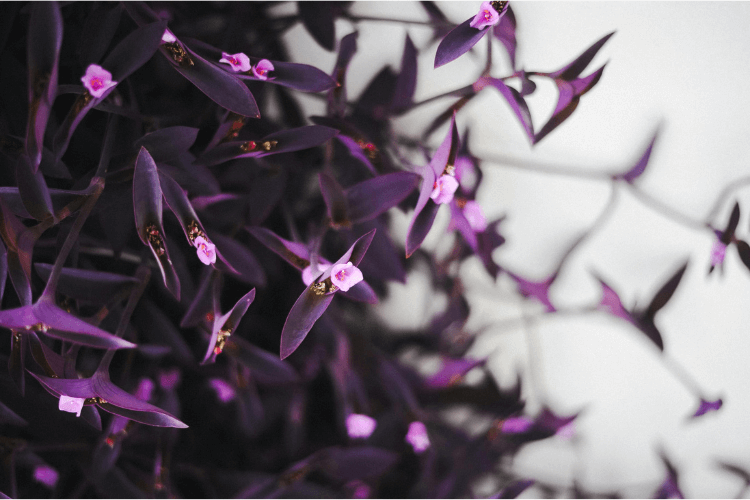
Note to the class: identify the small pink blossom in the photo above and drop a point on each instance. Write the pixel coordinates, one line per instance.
(168, 379)
(345, 276)
(444, 188)
(145, 389)
(224, 391)
(261, 69)
(168, 37)
(717, 253)
(239, 62)
(474, 215)
(97, 80)
(360, 426)
(417, 437)
(567, 431)
(308, 276)
(487, 16)
(71, 405)
(206, 250)
(358, 489)
(46, 475)
(466, 174)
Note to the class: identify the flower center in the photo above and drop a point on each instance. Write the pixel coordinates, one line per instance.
(341, 275)
(96, 83)
(487, 15)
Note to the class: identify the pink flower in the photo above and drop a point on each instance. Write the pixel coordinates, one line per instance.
(97, 80)
(239, 62)
(345, 276)
(444, 188)
(71, 405)
(717, 253)
(360, 426)
(308, 276)
(262, 68)
(487, 16)
(475, 217)
(206, 250)
(46, 475)
(145, 389)
(224, 391)
(168, 37)
(417, 437)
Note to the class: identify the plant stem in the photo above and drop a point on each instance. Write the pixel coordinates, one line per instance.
(667, 211)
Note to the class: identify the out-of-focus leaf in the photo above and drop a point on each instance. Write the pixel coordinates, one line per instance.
(134, 50)
(9, 417)
(98, 32)
(670, 488)
(337, 97)
(368, 199)
(505, 31)
(453, 371)
(97, 287)
(33, 190)
(362, 462)
(147, 205)
(738, 471)
(266, 368)
(707, 407)
(3, 269)
(634, 172)
(318, 18)
(734, 219)
(406, 83)
(168, 143)
(44, 42)
(743, 249)
(665, 292)
(361, 292)
(336, 201)
(514, 489)
(17, 361)
(538, 290)
(515, 101)
(159, 329)
(19, 243)
(296, 254)
(244, 265)
(571, 71)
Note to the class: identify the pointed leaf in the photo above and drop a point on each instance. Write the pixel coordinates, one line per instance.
(168, 143)
(707, 406)
(97, 33)
(575, 68)
(97, 287)
(241, 259)
(266, 368)
(361, 292)
(665, 292)
(372, 197)
(336, 201)
(456, 43)
(337, 97)
(140, 411)
(734, 219)
(406, 84)
(296, 254)
(33, 190)
(453, 371)
(9, 417)
(231, 320)
(505, 31)
(638, 169)
(134, 50)
(420, 226)
(318, 18)
(361, 462)
(514, 489)
(304, 313)
(743, 249)
(515, 100)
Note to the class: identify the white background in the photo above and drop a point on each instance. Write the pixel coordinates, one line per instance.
(682, 64)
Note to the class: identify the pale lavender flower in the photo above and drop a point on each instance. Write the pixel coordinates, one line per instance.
(145, 389)
(717, 253)
(345, 276)
(224, 391)
(360, 426)
(475, 216)
(206, 250)
(417, 437)
(487, 16)
(261, 69)
(239, 62)
(97, 80)
(168, 37)
(307, 274)
(443, 189)
(46, 475)
(71, 405)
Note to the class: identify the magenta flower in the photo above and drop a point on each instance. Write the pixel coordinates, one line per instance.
(345, 276)
(206, 250)
(46, 475)
(360, 426)
(444, 188)
(516, 425)
(261, 69)
(97, 80)
(239, 62)
(487, 16)
(224, 391)
(168, 37)
(307, 274)
(417, 437)
(717, 253)
(71, 405)
(475, 216)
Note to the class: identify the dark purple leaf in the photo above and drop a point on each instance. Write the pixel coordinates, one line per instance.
(734, 219)
(575, 68)
(17, 360)
(456, 43)
(284, 141)
(634, 172)
(265, 193)
(148, 217)
(318, 18)
(356, 252)
(361, 462)
(97, 287)
(19, 244)
(743, 249)
(514, 489)
(296, 254)
(337, 97)
(160, 330)
(97, 33)
(168, 143)
(453, 372)
(420, 226)
(665, 293)
(505, 31)
(33, 190)
(357, 151)
(134, 50)
(384, 261)
(372, 197)
(670, 488)
(336, 201)
(266, 368)
(3, 269)
(9, 417)
(44, 42)
(406, 84)
(361, 292)
(225, 325)
(244, 265)
(707, 406)
(515, 100)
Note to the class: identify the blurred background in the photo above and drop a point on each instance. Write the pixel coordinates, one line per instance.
(682, 67)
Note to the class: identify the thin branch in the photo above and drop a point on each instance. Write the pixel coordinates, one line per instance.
(668, 211)
(509, 161)
(433, 24)
(728, 189)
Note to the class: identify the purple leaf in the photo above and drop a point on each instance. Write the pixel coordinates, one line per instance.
(670, 488)
(707, 406)
(357, 151)
(420, 225)
(575, 68)
(734, 219)
(611, 303)
(743, 249)
(134, 50)
(159, 329)
(361, 292)
(336, 201)
(168, 143)
(538, 290)
(372, 197)
(9, 417)
(337, 97)
(461, 223)
(44, 42)
(638, 169)
(244, 265)
(453, 372)
(3, 269)
(515, 100)
(456, 43)
(296, 254)
(505, 31)
(406, 84)
(148, 217)
(284, 141)
(266, 368)
(514, 489)
(318, 18)
(384, 260)
(33, 190)
(19, 246)
(665, 293)
(97, 287)
(361, 462)
(97, 33)
(225, 325)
